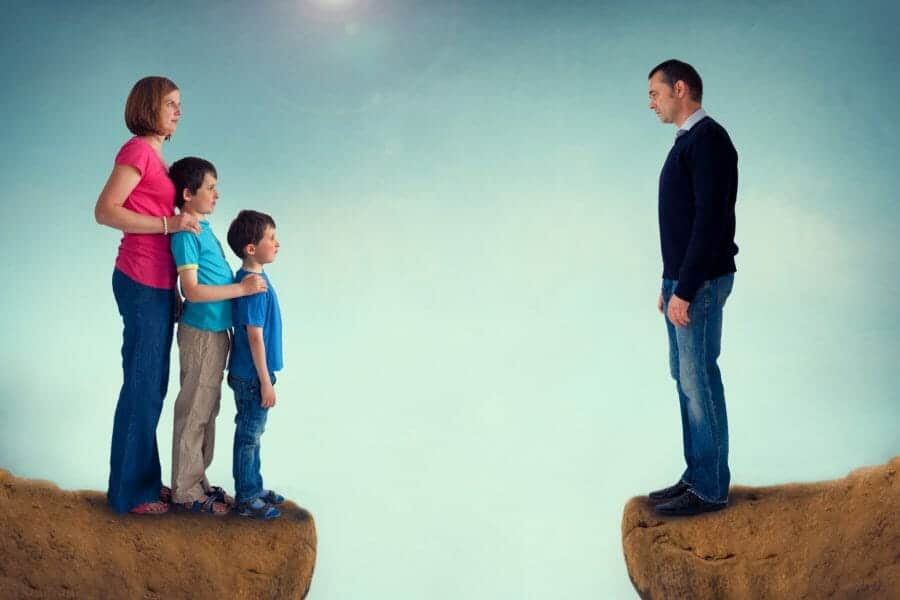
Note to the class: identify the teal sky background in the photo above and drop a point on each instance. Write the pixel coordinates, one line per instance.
(475, 374)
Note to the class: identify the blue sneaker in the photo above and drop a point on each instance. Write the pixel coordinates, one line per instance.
(271, 496)
(257, 509)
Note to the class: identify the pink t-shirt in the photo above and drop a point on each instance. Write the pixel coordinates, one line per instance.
(147, 257)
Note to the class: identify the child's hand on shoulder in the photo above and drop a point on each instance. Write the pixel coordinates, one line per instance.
(253, 284)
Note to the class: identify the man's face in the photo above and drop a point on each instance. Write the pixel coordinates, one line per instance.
(663, 100)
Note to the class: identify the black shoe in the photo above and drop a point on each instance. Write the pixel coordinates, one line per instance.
(673, 491)
(688, 503)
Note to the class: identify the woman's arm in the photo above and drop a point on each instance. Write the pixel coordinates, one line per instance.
(110, 209)
(198, 292)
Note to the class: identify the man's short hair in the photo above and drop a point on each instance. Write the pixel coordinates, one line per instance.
(144, 103)
(675, 70)
(248, 228)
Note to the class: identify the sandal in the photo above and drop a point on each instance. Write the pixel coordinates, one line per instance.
(271, 496)
(165, 494)
(150, 508)
(209, 505)
(263, 513)
(221, 495)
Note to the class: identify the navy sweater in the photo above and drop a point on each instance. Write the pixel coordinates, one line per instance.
(697, 192)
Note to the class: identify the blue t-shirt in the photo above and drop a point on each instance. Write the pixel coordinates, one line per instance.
(203, 252)
(260, 310)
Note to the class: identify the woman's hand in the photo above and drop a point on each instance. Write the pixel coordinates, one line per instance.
(183, 222)
(253, 284)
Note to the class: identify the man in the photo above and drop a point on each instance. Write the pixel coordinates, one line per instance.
(697, 192)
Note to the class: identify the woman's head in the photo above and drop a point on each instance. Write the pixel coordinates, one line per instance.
(153, 107)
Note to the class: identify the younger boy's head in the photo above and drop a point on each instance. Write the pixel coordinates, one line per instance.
(195, 184)
(252, 235)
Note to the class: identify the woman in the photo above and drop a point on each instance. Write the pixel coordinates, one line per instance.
(139, 200)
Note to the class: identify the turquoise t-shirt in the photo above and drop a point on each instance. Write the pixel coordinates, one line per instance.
(203, 252)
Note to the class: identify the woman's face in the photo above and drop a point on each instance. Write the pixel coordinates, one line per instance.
(169, 113)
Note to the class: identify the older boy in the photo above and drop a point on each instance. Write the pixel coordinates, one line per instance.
(255, 358)
(203, 337)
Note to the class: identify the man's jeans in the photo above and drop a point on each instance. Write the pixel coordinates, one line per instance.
(250, 424)
(148, 316)
(693, 351)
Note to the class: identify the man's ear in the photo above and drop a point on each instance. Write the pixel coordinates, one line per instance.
(680, 88)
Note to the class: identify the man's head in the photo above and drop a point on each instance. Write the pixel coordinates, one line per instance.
(195, 185)
(252, 236)
(676, 91)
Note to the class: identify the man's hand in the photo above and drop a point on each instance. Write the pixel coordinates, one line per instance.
(678, 311)
(267, 392)
(659, 304)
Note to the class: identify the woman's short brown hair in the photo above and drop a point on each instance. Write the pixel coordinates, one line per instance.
(144, 103)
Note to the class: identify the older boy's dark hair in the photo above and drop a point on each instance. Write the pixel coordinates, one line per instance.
(187, 174)
(144, 103)
(675, 70)
(248, 228)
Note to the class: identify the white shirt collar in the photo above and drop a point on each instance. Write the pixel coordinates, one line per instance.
(691, 121)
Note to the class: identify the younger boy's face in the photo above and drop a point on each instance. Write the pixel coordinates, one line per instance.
(265, 250)
(204, 200)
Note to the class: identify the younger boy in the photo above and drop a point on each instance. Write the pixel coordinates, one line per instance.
(255, 357)
(203, 337)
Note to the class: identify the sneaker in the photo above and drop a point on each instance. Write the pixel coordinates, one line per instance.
(258, 509)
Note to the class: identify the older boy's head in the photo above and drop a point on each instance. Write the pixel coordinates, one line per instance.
(248, 228)
(187, 174)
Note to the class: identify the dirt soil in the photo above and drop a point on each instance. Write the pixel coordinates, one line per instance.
(62, 544)
(835, 539)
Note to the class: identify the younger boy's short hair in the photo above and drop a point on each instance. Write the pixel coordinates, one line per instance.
(144, 104)
(248, 228)
(187, 174)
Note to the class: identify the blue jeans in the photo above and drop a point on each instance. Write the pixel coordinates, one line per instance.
(250, 423)
(148, 315)
(693, 351)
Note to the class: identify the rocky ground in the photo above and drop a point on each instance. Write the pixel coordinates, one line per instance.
(61, 544)
(836, 539)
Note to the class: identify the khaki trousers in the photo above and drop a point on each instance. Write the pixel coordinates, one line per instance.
(203, 355)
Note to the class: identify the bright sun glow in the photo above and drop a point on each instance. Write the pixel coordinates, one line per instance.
(334, 4)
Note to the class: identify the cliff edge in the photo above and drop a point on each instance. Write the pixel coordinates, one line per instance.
(61, 544)
(835, 539)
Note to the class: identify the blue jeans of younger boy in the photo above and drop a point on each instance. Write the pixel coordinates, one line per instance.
(693, 351)
(250, 423)
(148, 315)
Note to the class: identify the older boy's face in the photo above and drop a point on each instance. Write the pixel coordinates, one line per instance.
(267, 247)
(204, 200)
